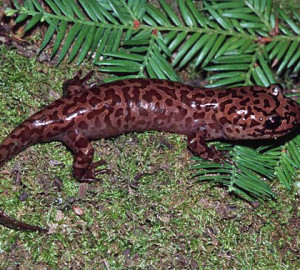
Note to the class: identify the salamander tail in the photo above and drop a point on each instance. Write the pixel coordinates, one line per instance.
(15, 142)
(18, 225)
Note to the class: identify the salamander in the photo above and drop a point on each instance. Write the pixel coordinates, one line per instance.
(89, 112)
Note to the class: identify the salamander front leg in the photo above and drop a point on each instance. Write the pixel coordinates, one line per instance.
(83, 168)
(198, 146)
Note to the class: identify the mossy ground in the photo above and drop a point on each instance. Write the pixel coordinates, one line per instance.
(164, 220)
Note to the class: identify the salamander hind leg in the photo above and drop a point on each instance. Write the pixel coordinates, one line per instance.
(198, 146)
(84, 169)
(75, 85)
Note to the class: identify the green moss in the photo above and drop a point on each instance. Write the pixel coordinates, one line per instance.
(162, 220)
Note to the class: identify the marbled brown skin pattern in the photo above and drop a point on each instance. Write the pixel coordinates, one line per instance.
(136, 105)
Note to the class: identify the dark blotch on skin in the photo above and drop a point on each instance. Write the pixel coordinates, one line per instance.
(136, 94)
(181, 113)
(120, 83)
(81, 143)
(209, 108)
(256, 94)
(119, 122)
(232, 110)
(157, 81)
(119, 112)
(184, 98)
(81, 159)
(223, 120)
(96, 91)
(169, 102)
(210, 154)
(254, 123)
(56, 104)
(98, 122)
(198, 96)
(182, 110)
(111, 95)
(169, 91)
(83, 125)
(258, 109)
(79, 172)
(126, 88)
(127, 102)
(249, 112)
(235, 94)
(67, 107)
(143, 112)
(236, 119)
(214, 125)
(25, 135)
(245, 101)
(107, 121)
(221, 95)
(141, 122)
(94, 101)
(267, 103)
(81, 98)
(198, 115)
(224, 103)
(72, 135)
(244, 126)
(68, 126)
(92, 114)
(145, 83)
(190, 87)
(148, 96)
(171, 84)
(210, 93)
(54, 116)
(188, 120)
(229, 130)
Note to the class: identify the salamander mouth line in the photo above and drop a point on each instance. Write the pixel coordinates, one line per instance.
(274, 133)
(264, 132)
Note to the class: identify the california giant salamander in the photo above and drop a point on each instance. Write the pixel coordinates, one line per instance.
(88, 113)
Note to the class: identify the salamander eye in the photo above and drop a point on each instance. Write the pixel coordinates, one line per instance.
(276, 89)
(273, 123)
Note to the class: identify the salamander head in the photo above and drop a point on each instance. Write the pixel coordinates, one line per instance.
(262, 113)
